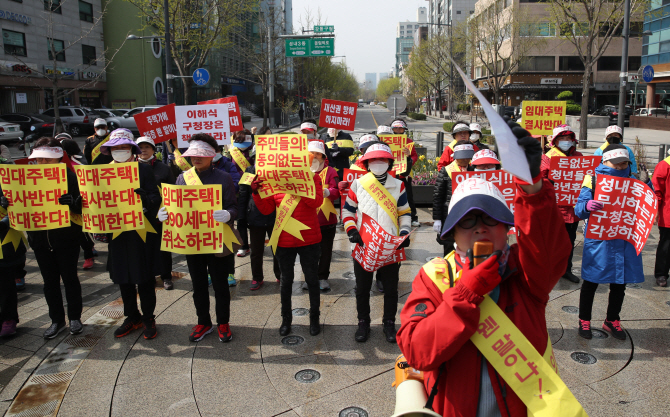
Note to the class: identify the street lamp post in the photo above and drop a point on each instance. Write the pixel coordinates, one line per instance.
(623, 75)
(168, 55)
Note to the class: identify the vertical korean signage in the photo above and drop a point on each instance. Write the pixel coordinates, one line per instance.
(541, 117)
(233, 111)
(157, 124)
(568, 174)
(282, 163)
(339, 115)
(211, 119)
(401, 148)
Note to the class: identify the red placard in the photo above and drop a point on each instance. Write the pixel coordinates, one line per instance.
(233, 111)
(25, 161)
(338, 114)
(502, 179)
(157, 124)
(629, 212)
(380, 246)
(568, 173)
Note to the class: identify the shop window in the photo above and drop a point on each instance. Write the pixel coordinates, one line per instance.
(88, 55)
(53, 6)
(570, 63)
(85, 11)
(538, 63)
(14, 42)
(57, 46)
(635, 62)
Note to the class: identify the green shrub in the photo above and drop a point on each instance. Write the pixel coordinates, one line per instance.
(447, 126)
(571, 107)
(486, 131)
(417, 116)
(463, 107)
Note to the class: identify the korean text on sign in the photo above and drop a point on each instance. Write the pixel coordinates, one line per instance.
(541, 117)
(211, 119)
(190, 227)
(401, 150)
(33, 192)
(157, 124)
(109, 201)
(502, 179)
(233, 111)
(629, 212)
(338, 114)
(380, 246)
(282, 163)
(568, 173)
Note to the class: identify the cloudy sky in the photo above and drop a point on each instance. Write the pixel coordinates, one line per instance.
(365, 29)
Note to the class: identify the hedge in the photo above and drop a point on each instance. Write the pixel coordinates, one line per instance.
(417, 116)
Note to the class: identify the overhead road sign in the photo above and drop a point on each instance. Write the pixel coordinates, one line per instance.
(307, 47)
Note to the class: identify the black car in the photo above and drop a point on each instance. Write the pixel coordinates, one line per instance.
(32, 124)
(612, 112)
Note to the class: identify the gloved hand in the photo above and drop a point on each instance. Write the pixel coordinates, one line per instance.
(342, 186)
(334, 148)
(4, 203)
(162, 214)
(437, 226)
(221, 216)
(530, 146)
(594, 205)
(355, 237)
(405, 243)
(483, 278)
(256, 185)
(326, 193)
(65, 200)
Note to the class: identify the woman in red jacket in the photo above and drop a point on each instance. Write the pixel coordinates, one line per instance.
(661, 182)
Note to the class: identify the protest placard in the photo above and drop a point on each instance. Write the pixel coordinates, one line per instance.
(629, 212)
(380, 246)
(25, 161)
(211, 119)
(233, 111)
(502, 179)
(282, 163)
(33, 192)
(568, 174)
(157, 124)
(541, 117)
(109, 202)
(401, 150)
(338, 114)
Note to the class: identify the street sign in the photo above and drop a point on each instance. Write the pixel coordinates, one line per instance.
(396, 103)
(324, 29)
(648, 73)
(201, 76)
(308, 47)
(633, 78)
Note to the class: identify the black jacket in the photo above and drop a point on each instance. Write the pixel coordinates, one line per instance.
(91, 143)
(162, 172)
(247, 208)
(10, 256)
(340, 161)
(442, 194)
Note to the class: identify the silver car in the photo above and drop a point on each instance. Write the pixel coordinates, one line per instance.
(76, 118)
(127, 120)
(10, 131)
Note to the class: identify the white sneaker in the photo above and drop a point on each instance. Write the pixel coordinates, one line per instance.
(304, 286)
(415, 223)
(324, 284)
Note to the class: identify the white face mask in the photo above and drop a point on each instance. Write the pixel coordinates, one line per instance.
(485, 169)
(564, 145)
(101, 132)
(121, 156)
(139, 158)
(474, 137)
(311, 136)
(316, 165)
(217, 157)
(378, 167)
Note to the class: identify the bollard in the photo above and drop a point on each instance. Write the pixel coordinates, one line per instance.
(439, 144)
(661, 152)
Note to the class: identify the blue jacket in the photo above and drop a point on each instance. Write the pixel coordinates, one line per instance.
(226, 165)
(607, 261)
(631, 155)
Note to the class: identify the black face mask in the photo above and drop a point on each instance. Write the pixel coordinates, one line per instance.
(614, 140)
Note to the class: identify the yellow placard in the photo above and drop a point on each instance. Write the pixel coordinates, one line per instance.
(109, 201)
(283, 164)
(33, 192)
(247, 178)
(541, 117)
(401, 149)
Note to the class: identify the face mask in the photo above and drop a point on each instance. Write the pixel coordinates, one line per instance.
(485, 169)
(217, 157)
(101, 132)
(564, 145)
(378, 167)
(614, 139)
(311, 136)
(121, 156)
(316, 165)
(145, 160)
(474, 137)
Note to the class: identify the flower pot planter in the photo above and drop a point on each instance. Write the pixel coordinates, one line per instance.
(423, 194)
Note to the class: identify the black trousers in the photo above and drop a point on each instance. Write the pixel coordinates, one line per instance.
(588, 292)
(55, 264)
(389, 276)
(662, 266)
(410, 197)
(572, 234)
(8, 293)
(309, 260)
(166, 265)
(243, 228)
(201, 265)
(257, 246)
(86, 244)
(147, 293)
(327, 239)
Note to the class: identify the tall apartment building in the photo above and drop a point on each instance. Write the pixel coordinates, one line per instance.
(656, 52)
(405, 38)
(371, 81)
(445, 12)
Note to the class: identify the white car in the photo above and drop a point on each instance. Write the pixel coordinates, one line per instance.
(10, 131)
(127, 120)
(105, 113)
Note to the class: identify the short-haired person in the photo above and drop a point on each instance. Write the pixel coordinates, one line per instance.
(93, 143)
(442, 312)
(661, 183)
(399, 127)
(614, 262)
(614, 136)
(363, 199)
(460, 131)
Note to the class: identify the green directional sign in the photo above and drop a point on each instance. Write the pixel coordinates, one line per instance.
(301, 48)
(324, 29)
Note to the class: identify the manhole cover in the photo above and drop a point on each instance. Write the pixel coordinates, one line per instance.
(300, 312)
(570, 309)
(599, 334)
(292, 340)
(349, 275)
(430, 258)
(353, 412)
(583, 358)
(307, 376)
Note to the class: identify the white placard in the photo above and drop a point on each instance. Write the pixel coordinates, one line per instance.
(21, 98)
(211, 119)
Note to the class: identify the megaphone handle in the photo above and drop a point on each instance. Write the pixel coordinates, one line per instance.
(433, 391)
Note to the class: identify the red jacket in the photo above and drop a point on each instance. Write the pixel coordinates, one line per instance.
(436, 328)
(331, 182)
(304, 212)
(448, 156)
(568, 212)
(661, 184)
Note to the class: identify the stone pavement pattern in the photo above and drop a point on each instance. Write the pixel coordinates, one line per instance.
(255, 374)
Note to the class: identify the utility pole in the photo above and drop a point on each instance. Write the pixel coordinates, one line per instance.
(623, 75)
(168, 55)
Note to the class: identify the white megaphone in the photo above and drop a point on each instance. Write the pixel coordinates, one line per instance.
(410, 394)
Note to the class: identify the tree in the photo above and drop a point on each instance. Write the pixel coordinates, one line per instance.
(590, 25)
(385, 88)
(324, 79)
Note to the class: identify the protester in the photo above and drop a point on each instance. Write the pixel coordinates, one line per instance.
(384, 130)
(661, 185)
(173, 158)
(6, 158)
(564, 144)
(288, 247)
(460, 131)
(57, 250)
(378, 160)
(613, 262)
(92, 145)
(439, 317)
(614, 135)
(202, 150)
(400, 128)
(131, 258)
(242, 145)
(309, 128)
(341, 147)
(476, 136)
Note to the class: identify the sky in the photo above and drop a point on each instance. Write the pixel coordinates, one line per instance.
(365, 30)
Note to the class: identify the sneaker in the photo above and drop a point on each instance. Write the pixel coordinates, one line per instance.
(415, 223)
(662, 281)
(363, 331)
(76, 327)
(380, 286)
(20, 283)
(614, 327)
(88, 263)
(8, 328)
(53, 330)
(390, 331)
(304, 286)
(225, 335)
(243, 252)
(256, 285)
(128, 326)
(231, 280)
(585, 329)
(209, 280)
(324, 285)
(150, 329)
(571, 277)
(167, 284)
(200, 331)
(94, 252)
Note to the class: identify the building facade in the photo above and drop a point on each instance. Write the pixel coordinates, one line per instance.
(656, 53)
(404, 42)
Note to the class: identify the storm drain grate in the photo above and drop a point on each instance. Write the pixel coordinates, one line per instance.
(52, 378)
(300, 312)
(583, 358)
(293, 340)
(307, 376)
(113, 312)
(571, 309)
(354, 412)
(599, 334)
(41, 410)
(85, 341)
(58, 368)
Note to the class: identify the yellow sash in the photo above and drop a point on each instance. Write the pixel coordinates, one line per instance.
(13, 236)
(327, 208)
(381, 195)
(453, 143)
(247, 178)
(342, 143)
(554, 151)
(452, 167)
(181, 162)
(604, 145)
(667, 160)
(284, 221)
(533, 377)
(96, 151)
(239, 158)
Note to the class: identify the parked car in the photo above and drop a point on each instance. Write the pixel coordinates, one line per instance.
(32, 125)
(77, 119)
(127, 121)
(613, 112)
(105, 113)
(653, 111)
(360, 104)
(10, 131)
